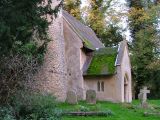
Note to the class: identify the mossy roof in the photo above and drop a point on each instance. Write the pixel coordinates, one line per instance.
(103, 62)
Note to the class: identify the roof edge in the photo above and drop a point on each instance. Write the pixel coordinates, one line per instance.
(120, 54)
(87, 42)
(77, 33)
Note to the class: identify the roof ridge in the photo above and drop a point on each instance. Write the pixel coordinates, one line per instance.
(121, 50)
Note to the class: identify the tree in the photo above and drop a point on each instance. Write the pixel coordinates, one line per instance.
(112, 36)
(143, 26)
(23, 24)
(23, 21)
(96, 17)
(109, 34)
(73, 7)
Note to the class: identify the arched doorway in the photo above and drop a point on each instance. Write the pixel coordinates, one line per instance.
(126, 89)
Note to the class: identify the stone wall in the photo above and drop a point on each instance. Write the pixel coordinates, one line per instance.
(109, 93)
(73, 45)
(118, 87)
(124, 72)
(53, 74)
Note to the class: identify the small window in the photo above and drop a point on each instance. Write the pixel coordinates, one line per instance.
(100, 86)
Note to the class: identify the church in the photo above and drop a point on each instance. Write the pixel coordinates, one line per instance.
(76, 60)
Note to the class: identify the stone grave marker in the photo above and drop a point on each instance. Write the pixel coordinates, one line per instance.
(143, 97)
(91, 96)
(71, 97)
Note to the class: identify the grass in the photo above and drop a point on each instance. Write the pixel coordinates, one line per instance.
(120, 111)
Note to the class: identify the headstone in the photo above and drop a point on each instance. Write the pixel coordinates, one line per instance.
(143, 97)
(91, 96)
(71, 97)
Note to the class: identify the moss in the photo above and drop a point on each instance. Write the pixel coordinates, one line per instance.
(88, 44)
(103, 62)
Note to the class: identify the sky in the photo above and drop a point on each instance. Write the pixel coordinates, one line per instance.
(119, 6)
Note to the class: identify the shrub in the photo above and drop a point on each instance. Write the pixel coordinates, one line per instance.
(6, 113)
(105, 113)
(82, 108)
(35, 107)
(96, 107)
(16, 71)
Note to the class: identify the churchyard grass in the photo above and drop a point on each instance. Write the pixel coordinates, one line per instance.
(120, 111)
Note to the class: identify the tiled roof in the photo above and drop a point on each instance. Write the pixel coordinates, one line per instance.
(86, 34)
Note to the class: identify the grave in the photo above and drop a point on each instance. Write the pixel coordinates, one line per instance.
(91, 96)
(71, 97)
(143, 97)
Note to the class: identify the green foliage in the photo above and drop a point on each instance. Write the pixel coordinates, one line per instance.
(112, 36)
(73, 7)
(30, 50)
(103, 62)
(82, 108)
(120, 112)
(23, 39)
(109, 34)
(96, 18)
(35, 107)
(143, 23)
(6, 113)
(22, 21)
(105, 113)
(88, 44)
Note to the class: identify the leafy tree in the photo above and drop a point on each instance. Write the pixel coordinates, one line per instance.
(109, 34)
(23, 21)
(73, 7)
(112, 36)
(143, 26)
(23, 38)
(96, 17)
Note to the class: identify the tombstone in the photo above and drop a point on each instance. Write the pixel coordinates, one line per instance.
(71, 97)
(91, 96)
(143, 97)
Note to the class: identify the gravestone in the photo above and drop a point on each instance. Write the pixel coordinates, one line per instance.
(91, 96)
(143, 97)
(71, 97)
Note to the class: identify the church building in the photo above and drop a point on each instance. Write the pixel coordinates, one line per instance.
(76, 60)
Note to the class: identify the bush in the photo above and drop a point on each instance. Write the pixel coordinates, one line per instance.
(82, 108)
(36, 107)
(6, 113)
(16, 71)
(105, 113)
(96, 107)
(27, 106)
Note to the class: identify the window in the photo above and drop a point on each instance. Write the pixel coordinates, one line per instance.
(100, 86)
